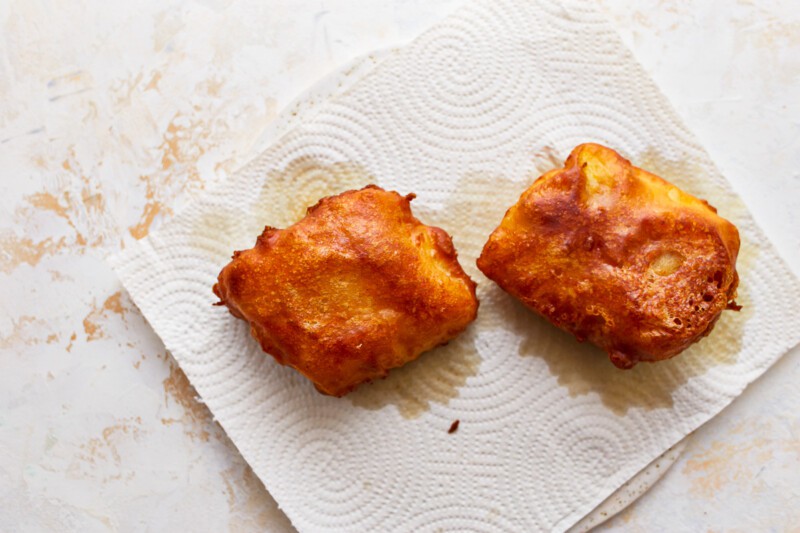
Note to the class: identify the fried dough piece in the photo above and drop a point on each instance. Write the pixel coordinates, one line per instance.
(357, 287)
(617, 256)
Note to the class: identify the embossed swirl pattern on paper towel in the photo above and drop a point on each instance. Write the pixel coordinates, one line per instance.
(466, 117)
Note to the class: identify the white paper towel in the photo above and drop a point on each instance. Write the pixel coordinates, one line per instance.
(466, 117)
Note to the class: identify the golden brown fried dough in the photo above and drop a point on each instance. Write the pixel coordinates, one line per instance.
(357, 287)
(617, 256)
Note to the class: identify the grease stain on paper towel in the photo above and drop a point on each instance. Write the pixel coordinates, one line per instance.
(288, 193)
(435, 377)
(471, 212)
(583, 368)
(476, 207)
(468, 214)
(282, 200)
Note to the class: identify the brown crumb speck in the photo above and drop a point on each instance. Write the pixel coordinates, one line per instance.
(454, 426)
(733, 306)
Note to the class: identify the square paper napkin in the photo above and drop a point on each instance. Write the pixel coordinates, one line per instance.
(466, 117)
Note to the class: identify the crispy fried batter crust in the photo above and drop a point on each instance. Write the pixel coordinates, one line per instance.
(357, 287)
(617, 256)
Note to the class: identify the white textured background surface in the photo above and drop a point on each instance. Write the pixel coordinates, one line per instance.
(111, 118)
